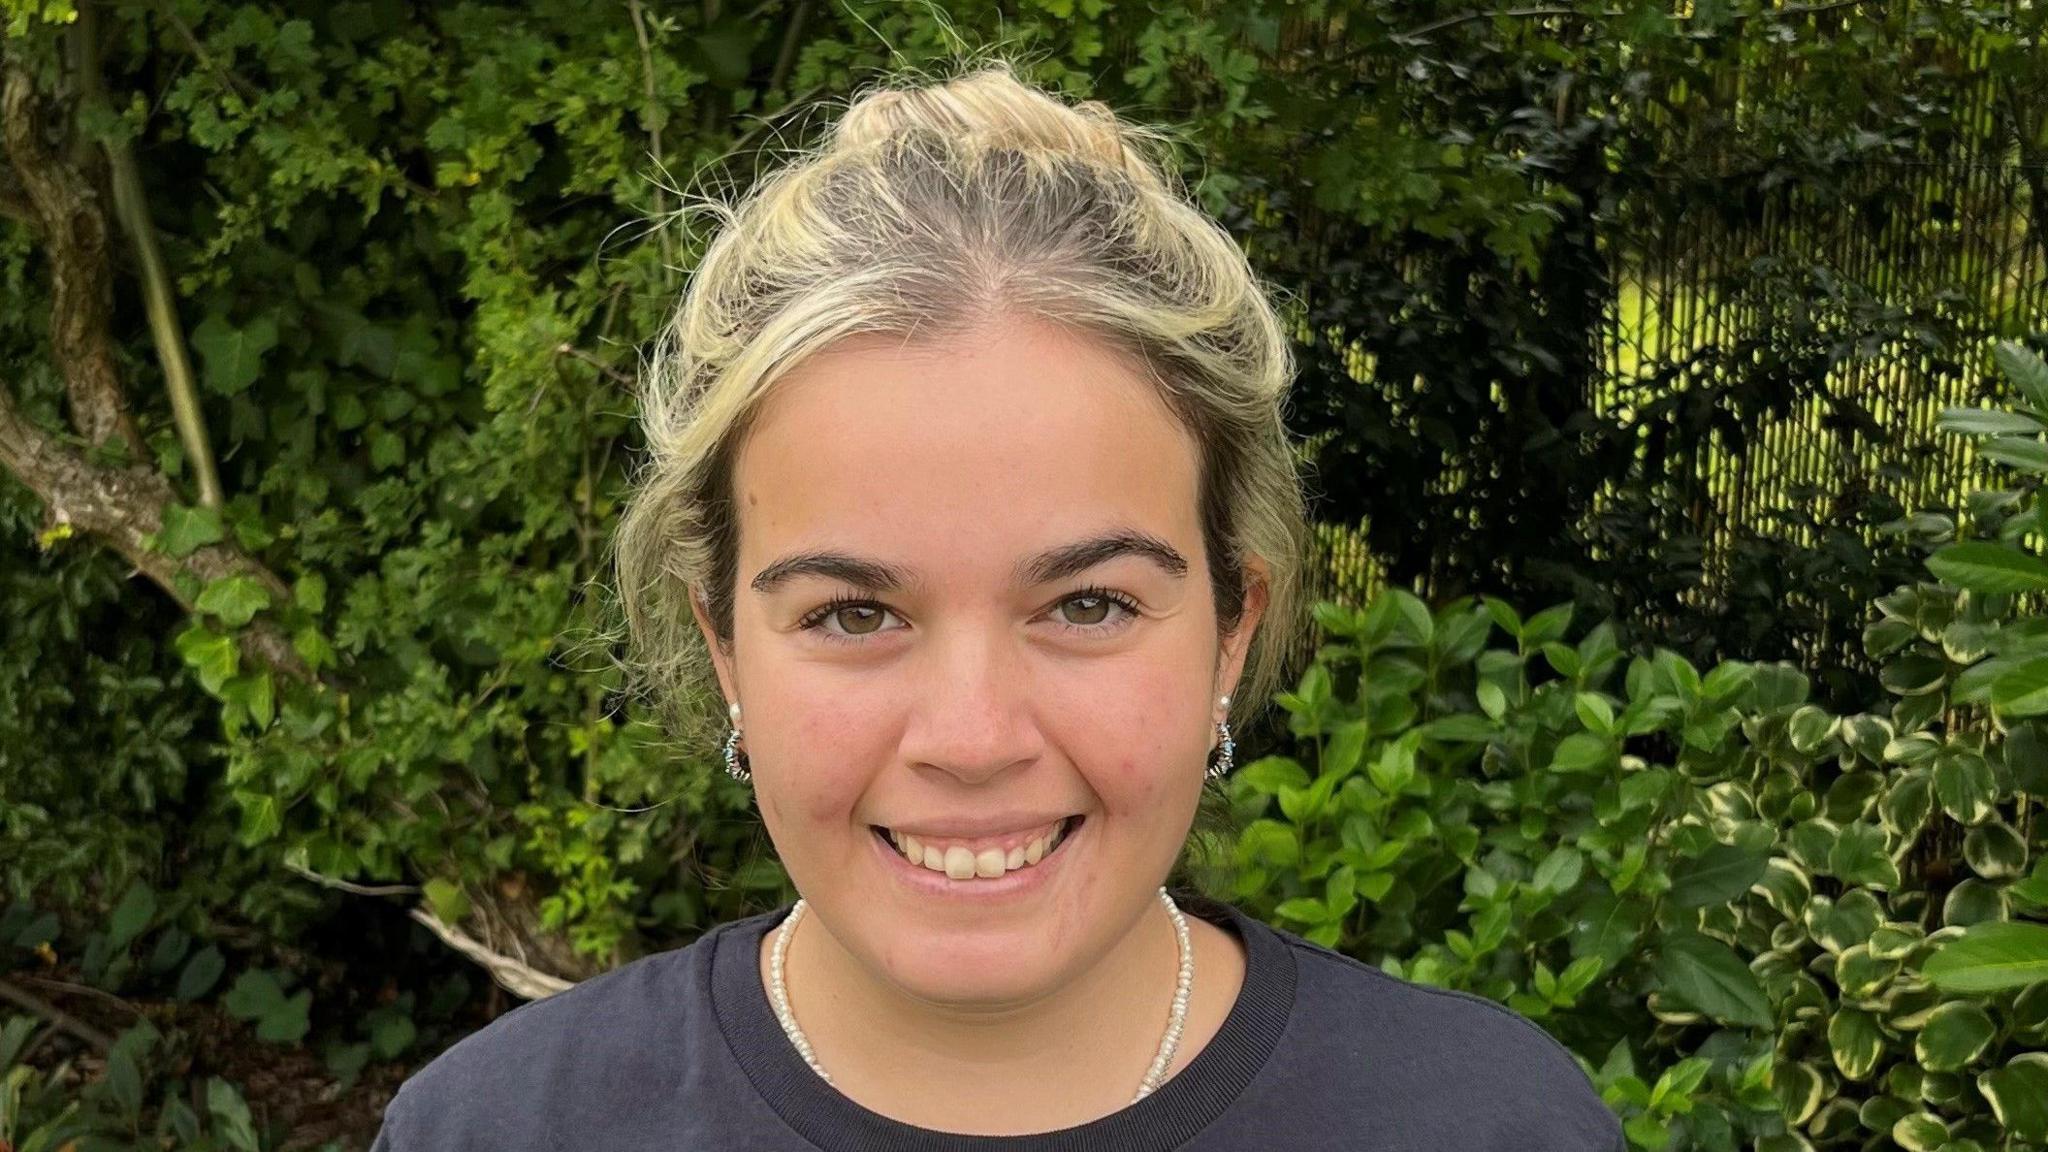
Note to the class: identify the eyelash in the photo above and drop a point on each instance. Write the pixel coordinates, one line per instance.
(814, 621)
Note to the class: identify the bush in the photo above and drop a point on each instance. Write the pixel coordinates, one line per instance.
(1762, 924)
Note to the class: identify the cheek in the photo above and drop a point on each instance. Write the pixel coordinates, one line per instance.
(1146, 749)
(825, 751)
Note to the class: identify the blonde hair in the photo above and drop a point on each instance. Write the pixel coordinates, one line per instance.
(928, 209)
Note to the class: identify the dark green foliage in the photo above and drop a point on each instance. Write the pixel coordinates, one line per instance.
(414, 248)
(1763, 923)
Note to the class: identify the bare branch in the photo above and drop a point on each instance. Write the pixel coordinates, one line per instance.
(23, 998)
(514, 976)
(132, 209)
(350, 886)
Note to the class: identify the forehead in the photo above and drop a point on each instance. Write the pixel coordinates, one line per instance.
(1001, 440)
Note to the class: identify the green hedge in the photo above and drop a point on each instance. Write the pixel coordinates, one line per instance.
(1764, 925)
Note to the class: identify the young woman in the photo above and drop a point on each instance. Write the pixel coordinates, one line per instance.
(971, 513)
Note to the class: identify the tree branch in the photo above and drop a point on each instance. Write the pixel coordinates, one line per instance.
(81, 288)
(120, 505)
(23, 998)
(520, 979)
(132, 209)
(652, 111)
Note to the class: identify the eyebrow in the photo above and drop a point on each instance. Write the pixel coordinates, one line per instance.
(1053, 564)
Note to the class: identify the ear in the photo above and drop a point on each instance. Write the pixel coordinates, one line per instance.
(1237, 645)
(721, 658)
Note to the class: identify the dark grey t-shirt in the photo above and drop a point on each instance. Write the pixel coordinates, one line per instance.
(680, 1051)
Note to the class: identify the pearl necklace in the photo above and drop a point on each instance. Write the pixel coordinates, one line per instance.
(1168, 1043)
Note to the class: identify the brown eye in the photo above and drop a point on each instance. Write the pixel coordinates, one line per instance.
(873, 616)
(1098, 604)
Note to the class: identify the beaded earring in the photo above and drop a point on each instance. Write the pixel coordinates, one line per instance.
(1224, 759)
(733, 767)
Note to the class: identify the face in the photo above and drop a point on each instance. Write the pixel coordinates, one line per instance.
(972, 603)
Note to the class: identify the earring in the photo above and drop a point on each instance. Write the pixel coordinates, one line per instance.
(733, 767)
(1225, 759)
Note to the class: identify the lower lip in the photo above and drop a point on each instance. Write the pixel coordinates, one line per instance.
(1009, 885)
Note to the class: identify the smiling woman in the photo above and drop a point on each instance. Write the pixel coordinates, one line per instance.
(970, 509)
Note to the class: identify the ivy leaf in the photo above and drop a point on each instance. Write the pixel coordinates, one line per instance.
(262, 816)
(186, 530)
(233, 356)
(209, 653)
(447, 899)
(235, 599)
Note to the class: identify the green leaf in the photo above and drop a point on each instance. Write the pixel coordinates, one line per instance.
(231, 1115)
(1341, 754)
(1989, 568)
(1966, 787)
(1987, 422)
(310, 592)
(131, 915)
(2022, 689)
(1955, 1035)
(391, 1035)
(1810, 727)
(1581, 752)
(2018, 1094)
(2026, 371)
(2023, 452)
(185, 530)
(235, 599)
(1920, 1132)
(1560, 870)
(210, 654)
(1304, 909)
(233, 357)
(1856, 1041)
(1718, 875)
(1269, 774)
(1860, 856)
(1707, 976)
(262, 816)
(201, 973)
(1995, 851)
(447, 900)
(255, 994)
(1990, 957)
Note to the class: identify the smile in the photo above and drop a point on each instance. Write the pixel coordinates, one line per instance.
(987, 859)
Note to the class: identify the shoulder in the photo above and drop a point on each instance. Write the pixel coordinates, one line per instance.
(1471, 1069)
(538, 1071)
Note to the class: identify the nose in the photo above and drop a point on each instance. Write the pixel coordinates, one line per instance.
(972, 716)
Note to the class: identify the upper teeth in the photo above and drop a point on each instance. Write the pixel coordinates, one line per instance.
(963, 863)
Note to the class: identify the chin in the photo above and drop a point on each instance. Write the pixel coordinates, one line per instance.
(971, 975)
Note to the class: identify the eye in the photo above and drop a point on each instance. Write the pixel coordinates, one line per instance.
(1101, 611)
(856, 618)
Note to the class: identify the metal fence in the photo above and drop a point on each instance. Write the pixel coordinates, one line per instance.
(1918, 261)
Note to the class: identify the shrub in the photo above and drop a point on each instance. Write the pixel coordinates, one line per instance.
(1762, 924)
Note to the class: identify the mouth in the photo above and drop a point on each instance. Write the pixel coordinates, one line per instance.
(962, 860)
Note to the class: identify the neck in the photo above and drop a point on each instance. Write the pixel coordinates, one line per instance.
(1087, 1041)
